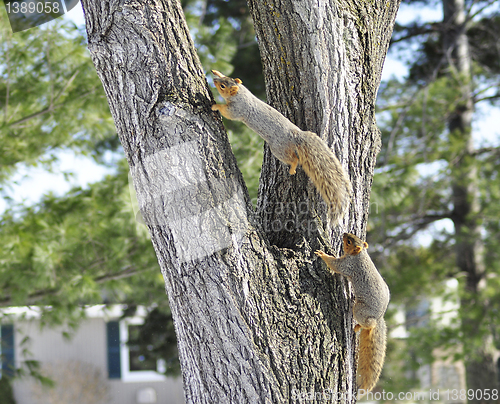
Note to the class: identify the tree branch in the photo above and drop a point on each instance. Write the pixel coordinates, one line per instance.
(493, 150)
(489, 98)
(51, 107)
(414, 225)
(34, 297)
(415, 30)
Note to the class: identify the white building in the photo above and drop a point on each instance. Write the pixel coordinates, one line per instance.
(94, 364)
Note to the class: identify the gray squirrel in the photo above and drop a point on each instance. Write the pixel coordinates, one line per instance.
(372, 298)
(288, 143)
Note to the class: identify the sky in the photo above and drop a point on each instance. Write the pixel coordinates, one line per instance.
(29, 184)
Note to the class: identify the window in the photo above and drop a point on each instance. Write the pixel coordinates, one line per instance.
(128, 362)
(139, 359)
(417, 315)
(113, 338)
(7, 349)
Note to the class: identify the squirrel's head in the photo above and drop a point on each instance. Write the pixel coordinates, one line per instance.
(353, 245)
(226, 86)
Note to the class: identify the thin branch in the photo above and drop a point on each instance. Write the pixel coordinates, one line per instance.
(489, 98)
(34, 115)
(414, 225)
(52, 107)
(36, 296)
(494, 150)
(415, 30)
(470, 16)
(125, 273)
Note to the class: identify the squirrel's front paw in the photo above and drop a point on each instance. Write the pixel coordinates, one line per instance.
(323, 255)
(320, 253)
(215, 107)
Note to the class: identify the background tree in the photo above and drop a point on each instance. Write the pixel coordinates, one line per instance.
(50, 257)
(47, 83)
(255, 321)
(85, 247)
(435, 174)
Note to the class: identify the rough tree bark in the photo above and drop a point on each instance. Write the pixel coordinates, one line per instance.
(481, 372)
(257, 317)
(322, 64)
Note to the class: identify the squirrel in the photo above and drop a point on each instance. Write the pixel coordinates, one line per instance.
(372, 298)
(288, 143)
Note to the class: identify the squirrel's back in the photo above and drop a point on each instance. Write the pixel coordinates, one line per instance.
(263, 119)
(369, 286)
(315, 157)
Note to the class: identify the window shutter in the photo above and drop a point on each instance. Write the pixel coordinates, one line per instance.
(7, 349)
(113, 337)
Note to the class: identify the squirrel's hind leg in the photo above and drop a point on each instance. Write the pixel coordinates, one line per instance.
(294, 163)
(363, 316)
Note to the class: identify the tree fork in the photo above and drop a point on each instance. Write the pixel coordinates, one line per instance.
(255, 323)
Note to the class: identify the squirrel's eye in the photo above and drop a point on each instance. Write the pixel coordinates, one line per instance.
(222, 86)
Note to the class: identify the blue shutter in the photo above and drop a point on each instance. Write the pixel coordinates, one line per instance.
(7, 349)
(113, 337)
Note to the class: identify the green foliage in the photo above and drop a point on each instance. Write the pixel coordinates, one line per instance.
(85, 248)
(413, 214)
(50, 96)
(6, 392)
(80, 249)
(248, 149)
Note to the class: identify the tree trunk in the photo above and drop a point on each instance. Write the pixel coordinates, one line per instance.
(256, 322)
(323, 67)
(481, 371)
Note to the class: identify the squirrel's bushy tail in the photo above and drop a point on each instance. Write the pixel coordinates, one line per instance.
(371, 355)
(326, 173)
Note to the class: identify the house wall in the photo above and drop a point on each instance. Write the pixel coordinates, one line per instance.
(88, 346)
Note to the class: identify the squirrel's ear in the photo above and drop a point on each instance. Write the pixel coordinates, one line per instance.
(233, 90)
(238, 81)
(365, 244)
